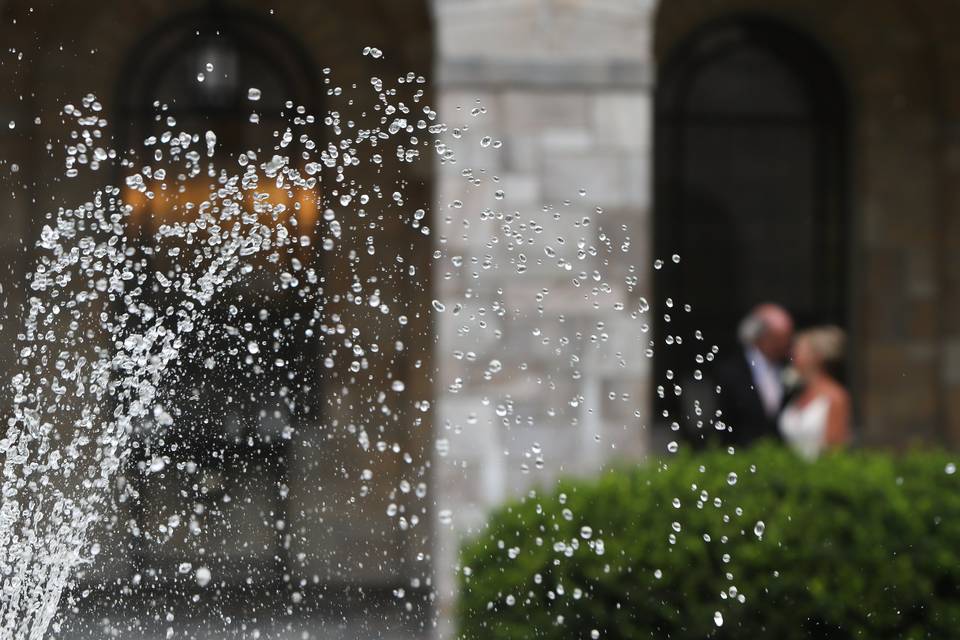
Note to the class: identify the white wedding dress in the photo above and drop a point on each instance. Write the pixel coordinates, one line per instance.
(804, 429)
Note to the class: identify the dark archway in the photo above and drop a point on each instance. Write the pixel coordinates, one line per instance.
(750, 189)
(169, 67)
(230, 435)
(342, 544)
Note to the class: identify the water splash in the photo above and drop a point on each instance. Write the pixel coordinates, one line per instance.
(103, 328)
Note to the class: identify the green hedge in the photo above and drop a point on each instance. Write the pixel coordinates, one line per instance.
(859, 545)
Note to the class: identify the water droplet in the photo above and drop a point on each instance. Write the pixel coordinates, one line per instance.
(718, 618)
(253, 94)
(211, 139)
(203, 576)
(759, 528)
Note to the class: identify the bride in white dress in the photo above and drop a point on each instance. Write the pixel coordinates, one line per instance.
(817, 418)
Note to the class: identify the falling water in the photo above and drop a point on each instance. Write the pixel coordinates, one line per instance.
(103, 331)
(117, 305)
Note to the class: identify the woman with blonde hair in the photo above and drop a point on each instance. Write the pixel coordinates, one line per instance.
(818, 417)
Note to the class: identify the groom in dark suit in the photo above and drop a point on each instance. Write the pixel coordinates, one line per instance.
(751, 388)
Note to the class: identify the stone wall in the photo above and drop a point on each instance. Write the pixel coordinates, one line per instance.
(566, 86)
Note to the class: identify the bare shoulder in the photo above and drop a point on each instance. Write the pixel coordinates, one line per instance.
(837, 394)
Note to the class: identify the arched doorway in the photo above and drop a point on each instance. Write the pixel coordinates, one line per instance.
(290, 497)
(750, 189)
(227, 447)
(338, 538)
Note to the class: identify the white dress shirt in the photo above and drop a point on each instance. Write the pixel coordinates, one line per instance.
(766, 380)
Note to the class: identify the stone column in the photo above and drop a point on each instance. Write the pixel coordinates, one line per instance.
(529, 353)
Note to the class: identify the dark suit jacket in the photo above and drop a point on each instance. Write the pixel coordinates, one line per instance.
(740, 402)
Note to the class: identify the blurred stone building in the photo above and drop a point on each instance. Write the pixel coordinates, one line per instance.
(793, 150)
(787, 150)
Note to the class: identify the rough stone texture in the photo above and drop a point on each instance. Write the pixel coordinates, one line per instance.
(566, 87)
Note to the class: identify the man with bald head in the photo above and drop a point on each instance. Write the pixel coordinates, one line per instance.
(751, 389)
